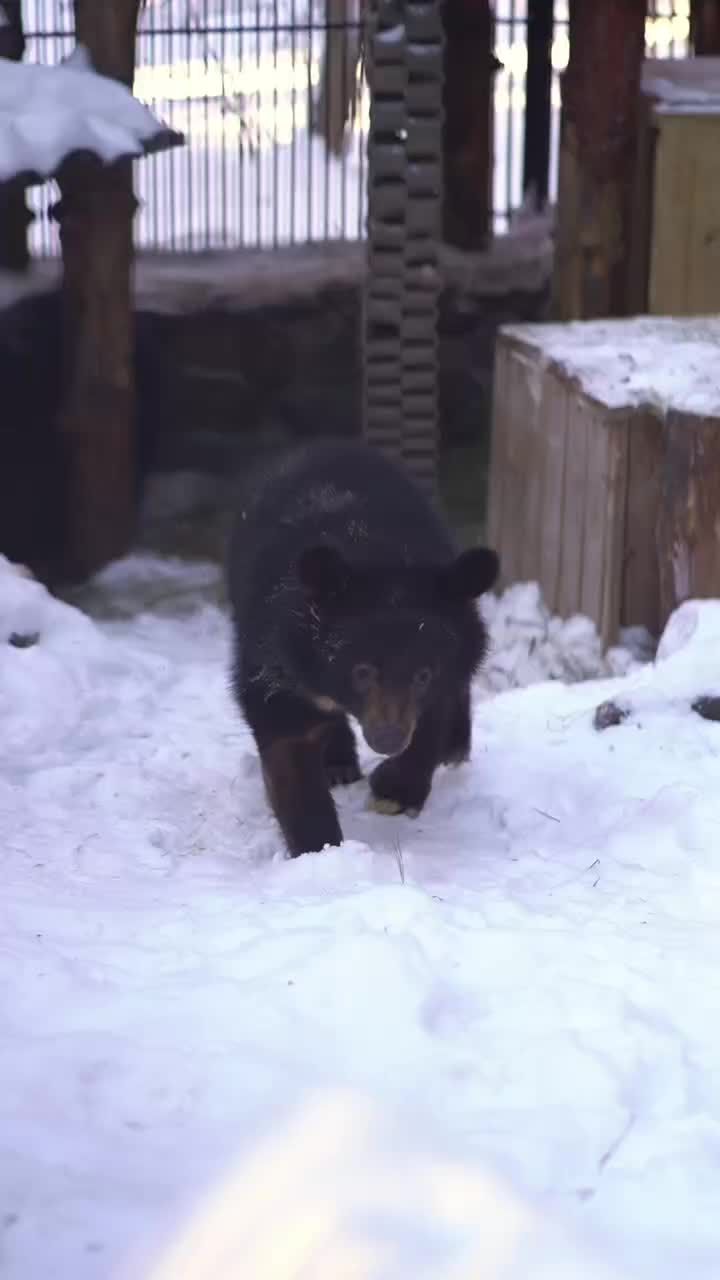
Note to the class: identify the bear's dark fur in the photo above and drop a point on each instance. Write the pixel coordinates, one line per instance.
(349, 598)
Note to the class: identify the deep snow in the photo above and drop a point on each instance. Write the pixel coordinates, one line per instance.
(525, 980)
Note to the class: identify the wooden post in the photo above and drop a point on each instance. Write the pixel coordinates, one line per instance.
(96, 229)
(536, 158)
(467, 131)
(601, 89)
(14, 213)
(705, 27)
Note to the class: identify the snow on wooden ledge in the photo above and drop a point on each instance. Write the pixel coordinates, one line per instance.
(660, 362)
(605, 472)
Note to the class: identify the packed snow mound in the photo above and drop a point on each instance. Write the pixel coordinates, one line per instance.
(362, 1198)
(54, 665)
(48, 112)
(527, 644)
(687, 666)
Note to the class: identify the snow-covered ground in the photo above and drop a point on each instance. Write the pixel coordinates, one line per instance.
(486, 1037)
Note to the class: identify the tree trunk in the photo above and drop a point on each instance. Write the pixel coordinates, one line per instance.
(601, 90)
(96, 220)
(467, 128)
(14, 213)
(705, 27)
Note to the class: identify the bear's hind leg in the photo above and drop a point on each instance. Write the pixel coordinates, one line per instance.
(341, 758)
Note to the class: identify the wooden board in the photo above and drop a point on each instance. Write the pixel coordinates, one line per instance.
(559, 507)
(685, 252)
(689, 521)
(640, 604)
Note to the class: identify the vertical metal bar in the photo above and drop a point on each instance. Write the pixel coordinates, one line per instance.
(538, 86)
(327, 98)
(509, 133)
(258, 96)
(219, 166)
(310, 203)
(242, 140)
(188, 149)
(293, 140)
(276, 161)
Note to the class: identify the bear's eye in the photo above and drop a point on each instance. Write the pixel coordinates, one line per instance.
(364, 676)
(422, 679)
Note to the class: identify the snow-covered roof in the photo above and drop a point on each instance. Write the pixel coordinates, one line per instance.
(49, 113)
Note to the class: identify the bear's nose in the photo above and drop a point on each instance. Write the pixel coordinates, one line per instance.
(386, 739)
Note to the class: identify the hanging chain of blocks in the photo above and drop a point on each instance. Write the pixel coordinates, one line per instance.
(405, 73)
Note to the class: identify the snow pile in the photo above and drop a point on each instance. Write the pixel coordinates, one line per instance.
(52, 659)
(529, 970)
(663, 362)
(528, 644)
(687, 666)
(49, 112)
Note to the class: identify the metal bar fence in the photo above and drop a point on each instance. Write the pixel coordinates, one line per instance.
(241, 79)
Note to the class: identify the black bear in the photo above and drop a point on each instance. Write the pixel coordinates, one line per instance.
(349, 598)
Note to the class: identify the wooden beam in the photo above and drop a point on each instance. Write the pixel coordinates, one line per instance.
(600, 111)
(96, 230)
(705, 27)
(467, 129)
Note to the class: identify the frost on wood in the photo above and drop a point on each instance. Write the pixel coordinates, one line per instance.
(48, 113)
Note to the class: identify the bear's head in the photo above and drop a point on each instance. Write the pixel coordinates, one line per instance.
(387, 640)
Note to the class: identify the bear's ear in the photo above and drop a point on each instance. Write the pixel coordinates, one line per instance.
(323, 572)
(471, 574)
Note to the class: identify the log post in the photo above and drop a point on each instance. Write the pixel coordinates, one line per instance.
(96, 231)
(467, 129)
(15, 217)
(705, 27)
(601, 89)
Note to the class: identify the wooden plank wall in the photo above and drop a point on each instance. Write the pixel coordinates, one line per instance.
(574, 492)
(685, 252)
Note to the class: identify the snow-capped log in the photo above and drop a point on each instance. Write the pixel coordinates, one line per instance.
(80, 124)
(52, 115)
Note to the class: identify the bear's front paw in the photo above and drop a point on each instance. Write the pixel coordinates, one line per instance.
(396, 789)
